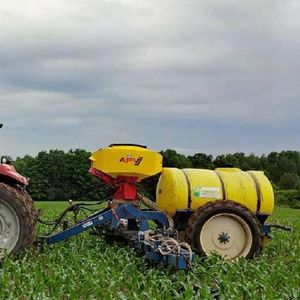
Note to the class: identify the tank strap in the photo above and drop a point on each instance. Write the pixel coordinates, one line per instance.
(258, 192)
(222, 184)
(188, 182)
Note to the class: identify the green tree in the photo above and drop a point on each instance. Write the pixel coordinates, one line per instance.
(201, 161)
(56, 175)
(289, 181)
(238, 160)
(173, 159)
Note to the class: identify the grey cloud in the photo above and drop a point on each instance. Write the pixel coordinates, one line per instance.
(218, 76)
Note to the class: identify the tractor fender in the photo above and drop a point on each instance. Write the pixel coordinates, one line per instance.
(8, 172)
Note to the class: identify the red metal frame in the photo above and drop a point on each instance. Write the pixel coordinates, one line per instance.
(126, 188)
(9, 172)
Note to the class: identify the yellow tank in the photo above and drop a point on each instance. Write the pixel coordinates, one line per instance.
(127, 160)
(192, 188)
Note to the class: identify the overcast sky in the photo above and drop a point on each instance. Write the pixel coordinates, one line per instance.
(195, 76)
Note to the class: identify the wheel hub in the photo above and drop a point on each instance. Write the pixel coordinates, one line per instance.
(224, 238)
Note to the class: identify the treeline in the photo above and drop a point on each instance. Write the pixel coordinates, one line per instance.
(59, 175)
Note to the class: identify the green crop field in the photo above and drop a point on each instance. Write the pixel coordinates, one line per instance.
(85, 267)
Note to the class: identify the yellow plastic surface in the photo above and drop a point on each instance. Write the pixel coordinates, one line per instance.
(127, 161)
(267, 193)
(174, 192)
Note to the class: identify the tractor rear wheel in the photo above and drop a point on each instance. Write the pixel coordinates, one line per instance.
(226, 228)
(17, 220)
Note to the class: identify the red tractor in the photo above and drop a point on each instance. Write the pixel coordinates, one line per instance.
(17, 220)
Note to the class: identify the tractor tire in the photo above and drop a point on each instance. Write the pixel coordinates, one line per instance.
(17, 219)
(225, 228)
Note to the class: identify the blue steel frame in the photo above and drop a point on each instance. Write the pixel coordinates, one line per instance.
(128, 211)
(124, 211)
(267, 230)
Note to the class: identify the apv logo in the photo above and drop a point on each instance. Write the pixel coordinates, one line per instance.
(130, 159)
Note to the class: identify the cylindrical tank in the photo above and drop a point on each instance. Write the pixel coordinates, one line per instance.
(181, 189)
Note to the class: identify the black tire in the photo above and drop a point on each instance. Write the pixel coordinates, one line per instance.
(22, 205)
(228, 210)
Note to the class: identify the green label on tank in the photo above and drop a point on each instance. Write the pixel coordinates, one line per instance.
(207, 192)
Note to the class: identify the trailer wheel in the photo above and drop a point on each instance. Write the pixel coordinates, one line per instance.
(226, 228)
(17, 220)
